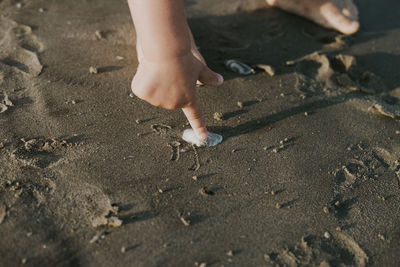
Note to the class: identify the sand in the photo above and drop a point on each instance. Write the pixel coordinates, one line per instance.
(92, 176)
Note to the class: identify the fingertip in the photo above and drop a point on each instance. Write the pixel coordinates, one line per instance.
(352, 27)
(202, 134)
(211, 78)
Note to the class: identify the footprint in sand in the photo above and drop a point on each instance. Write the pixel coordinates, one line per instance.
(40, 152)
(333, 75)
(371, 165)
(20, 47)
(336, 249)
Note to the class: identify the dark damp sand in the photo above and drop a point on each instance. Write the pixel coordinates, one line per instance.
(308, 172)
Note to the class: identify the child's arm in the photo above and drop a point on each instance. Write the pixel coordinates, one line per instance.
(168, 71)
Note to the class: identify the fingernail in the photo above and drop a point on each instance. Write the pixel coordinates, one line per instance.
(202, 137)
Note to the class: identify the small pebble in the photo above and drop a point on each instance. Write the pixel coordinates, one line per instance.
(41, 10)
(123, 249)
(185, 222)
(337, 203)
(195, 178)
(339, 229)
(131, 95)
(229, 253)
(218, 116)
(98, 34)
(381, 237)
(23, 261)
(305, 113)
(19, 5)
(327, 235)
(278, 206)
(273, 192)
(138, 121)
(119, 58)
(93, 70)
(205, 191)
(240, 104)
(326, 210)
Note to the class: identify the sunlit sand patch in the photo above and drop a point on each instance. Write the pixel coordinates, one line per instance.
(212, 140)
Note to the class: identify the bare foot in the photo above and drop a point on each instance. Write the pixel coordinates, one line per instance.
(341, 15)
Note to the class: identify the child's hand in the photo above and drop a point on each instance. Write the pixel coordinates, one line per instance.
(171, 83)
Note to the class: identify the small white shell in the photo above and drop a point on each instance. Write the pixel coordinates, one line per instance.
(239, 67)
(190, 137)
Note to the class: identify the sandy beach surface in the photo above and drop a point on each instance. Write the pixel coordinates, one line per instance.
(308, 173)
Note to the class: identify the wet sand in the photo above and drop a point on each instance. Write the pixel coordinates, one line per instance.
(308, 173)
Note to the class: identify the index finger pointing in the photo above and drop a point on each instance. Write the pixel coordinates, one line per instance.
(192, 113)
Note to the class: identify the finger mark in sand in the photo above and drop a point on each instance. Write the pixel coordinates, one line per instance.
(196, 164)
(213, 139)
(175, 150)
(2, 212)
(160, 128)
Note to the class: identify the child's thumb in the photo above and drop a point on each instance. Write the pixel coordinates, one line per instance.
(208, 77)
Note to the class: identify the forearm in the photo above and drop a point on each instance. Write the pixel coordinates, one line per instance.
(161, 28)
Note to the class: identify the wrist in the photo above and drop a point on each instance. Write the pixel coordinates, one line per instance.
(170, 50)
